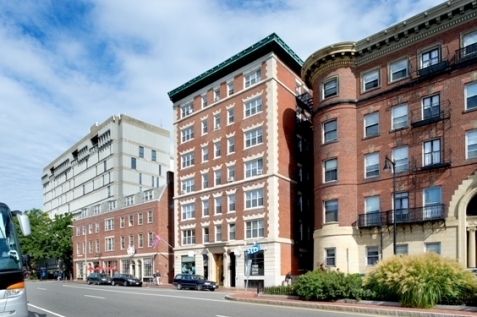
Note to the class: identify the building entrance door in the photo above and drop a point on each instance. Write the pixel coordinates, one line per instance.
(219, 268)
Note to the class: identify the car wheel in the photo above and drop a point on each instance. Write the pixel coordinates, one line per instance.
(179, 286)
(199, 287)
(113, 283)
(88, 282)
(125, 283)
(212, 289)
(97, 283)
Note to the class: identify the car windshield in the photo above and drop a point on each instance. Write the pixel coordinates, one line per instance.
(128, 276)
(102, 275)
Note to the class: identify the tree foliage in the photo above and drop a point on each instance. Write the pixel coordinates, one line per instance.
(49, 239)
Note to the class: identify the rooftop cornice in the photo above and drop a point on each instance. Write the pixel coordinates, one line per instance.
(272, 43)
(449, 13)
(341, 54)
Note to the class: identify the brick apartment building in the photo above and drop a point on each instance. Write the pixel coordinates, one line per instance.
(123, 240)
(405, 98)
(238, 186)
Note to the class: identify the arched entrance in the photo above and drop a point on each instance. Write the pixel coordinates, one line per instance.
(463, 216)
(471, 228)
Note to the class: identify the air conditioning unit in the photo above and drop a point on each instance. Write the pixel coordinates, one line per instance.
(217, 126)
(259, 172)
(231, 179)
(183, 192)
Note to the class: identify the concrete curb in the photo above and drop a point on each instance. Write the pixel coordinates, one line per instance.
(390, 310)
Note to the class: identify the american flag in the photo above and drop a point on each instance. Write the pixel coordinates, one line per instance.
(155, 240)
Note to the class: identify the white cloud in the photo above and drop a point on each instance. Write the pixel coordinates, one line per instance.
(63, 69)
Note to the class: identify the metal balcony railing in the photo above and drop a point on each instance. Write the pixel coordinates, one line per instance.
(466, 54)
(407, 215)
(434, 68)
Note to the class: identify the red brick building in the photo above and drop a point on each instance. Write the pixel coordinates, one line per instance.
(135, 239)
(238, 189)
(403, 98)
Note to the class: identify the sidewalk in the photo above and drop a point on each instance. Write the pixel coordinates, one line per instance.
(362, 307)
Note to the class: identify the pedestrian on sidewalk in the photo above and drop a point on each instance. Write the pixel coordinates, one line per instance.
(288, 278)
(158, 277)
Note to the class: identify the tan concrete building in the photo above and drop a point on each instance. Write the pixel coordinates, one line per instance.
(236, 190)
(107, 168)
(404, 97)
(117, 184)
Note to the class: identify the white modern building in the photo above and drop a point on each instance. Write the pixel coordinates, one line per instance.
(116, 163)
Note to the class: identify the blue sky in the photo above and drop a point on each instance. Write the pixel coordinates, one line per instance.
(65, 65)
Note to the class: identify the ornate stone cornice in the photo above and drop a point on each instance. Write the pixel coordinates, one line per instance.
(367, 54)
(423, 25)
(340, 54)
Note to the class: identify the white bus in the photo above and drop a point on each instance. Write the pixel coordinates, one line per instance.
(13, 299)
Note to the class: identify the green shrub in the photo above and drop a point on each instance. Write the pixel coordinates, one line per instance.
(422, 280)
(279, 290)
(328, 286)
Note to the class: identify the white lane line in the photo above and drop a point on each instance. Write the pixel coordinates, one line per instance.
(48, 311)
(41, 288)
(94, 296)
(147, 294)
(221, 316)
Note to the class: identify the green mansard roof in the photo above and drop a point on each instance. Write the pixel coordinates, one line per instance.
(271, 43)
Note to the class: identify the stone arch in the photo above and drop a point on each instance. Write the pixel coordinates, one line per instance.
(465, 195)
(471, 209)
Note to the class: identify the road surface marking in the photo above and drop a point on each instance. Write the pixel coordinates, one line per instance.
(94, 296)
(48, 311)
(146, 294)
(41, 288)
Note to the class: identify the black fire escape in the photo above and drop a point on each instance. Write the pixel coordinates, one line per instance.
(303, 220)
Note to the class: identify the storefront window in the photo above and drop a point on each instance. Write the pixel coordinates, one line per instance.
(257, 265)
(148, 267)
(125, 266)
(188, 264)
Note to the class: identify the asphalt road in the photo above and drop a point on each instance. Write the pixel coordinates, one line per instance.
(59, 299)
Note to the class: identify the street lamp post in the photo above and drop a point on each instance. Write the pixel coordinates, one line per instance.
(387, 167)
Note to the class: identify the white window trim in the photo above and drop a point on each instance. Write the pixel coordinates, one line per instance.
(390, 74)
(403, 105)
(326, 81)
(467, 143)
(370, 71)
(465, 94)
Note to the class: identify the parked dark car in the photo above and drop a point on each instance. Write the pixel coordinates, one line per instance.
(192, 281)
(125, 280)
(98, 278)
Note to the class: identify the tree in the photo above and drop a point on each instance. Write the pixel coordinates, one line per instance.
(49, 239)
(61, 242)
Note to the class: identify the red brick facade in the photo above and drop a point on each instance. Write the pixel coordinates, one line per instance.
(144, 219)
(222, 259)
(445, 168)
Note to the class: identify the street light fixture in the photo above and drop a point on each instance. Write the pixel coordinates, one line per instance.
(387, 167)
(84, 250)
